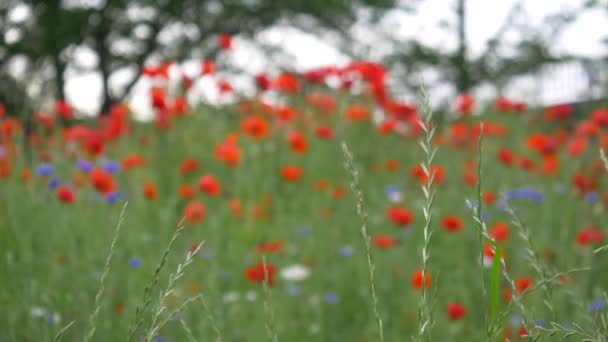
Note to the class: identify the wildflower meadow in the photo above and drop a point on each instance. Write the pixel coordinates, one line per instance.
(318, 208)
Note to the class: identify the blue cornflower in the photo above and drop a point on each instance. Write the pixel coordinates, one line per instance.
(113, 197)
(54, 183)
(45, 169)
(591, 197)
(330, 298)
(111, 166)
(346, 251)
(393, 193)
(540, 323)
(304, 231)
(160, 339)
(84, 165)
(525, 193)
(597, 305)
(134, 262)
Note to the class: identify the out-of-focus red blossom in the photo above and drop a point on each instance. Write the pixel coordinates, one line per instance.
(392, 165)
(600, 117)
(436, 171)
(236, 207)
(527, 164)
(65, 194)
(26, 175)
(399, 111)
(489, 197)
(382, 241)
(255, 127)
(590, 236)
(326, 104)
(207, 67)
(64, 109)
(132, 161)
(150, 191)
(188, 166)
(417, 279)
(44, 120)
(94, 143)
(542, 144)
(523, 283)
(224, 40)
(194, 212)
(464, 104)
(270, 247)
(210, 185)
(297, 142)
(400, 216)
(224, 87)
(505, 156)
(187, 82)
(263, 81)
(318, 75)
(158, 98)
(559, 112)
(356, 113)
(504, 105)
(179, 106)
(455, 311)
(576, 146)
(286, 113)
(587, 129)
(102, 181)
(324, 132)
(186, 191)
(287, 83)
(2, 109)
(452, 223)
(228, 151)
(258, 273)
(387, 126)
(499, 232)
(291, 173)
(582, 183)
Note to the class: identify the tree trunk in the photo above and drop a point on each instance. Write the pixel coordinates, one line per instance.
(463, 81)
(59, 76)
(102, 54)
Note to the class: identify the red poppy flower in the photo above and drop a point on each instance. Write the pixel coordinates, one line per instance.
(417, 280)
(464, 104)
(455, 311)
(188, 165)
(186, 191)
(437, 171)
(258, 273)
(324, 132)
(499, 232)
(291, 173)
(210, 185)
(228, 151)
(207, 67)
(523, 283)
(382, 241)
(254, 127)
(270, 247)
(102, 181)
(297, 142)
(590, 235)
(506, 157)
(224, 40)
(65, 194)
(401, 217)
(452, 223)
(194, 212)
(150, 191)
(356, 113)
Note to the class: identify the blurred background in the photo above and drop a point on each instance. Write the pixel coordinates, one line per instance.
(92, 53)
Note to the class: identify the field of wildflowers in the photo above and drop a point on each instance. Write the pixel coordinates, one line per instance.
(331, 213)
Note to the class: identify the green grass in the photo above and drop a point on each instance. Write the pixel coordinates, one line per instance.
(54, 255)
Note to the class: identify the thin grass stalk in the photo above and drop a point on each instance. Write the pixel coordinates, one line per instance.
(62, 332)
(104, 275)
(362, 213)
(425, 318)
(216, 329)
(271, 328)
(147, 298)
(164, 294)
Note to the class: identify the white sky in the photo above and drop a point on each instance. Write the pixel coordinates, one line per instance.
(484, 18)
